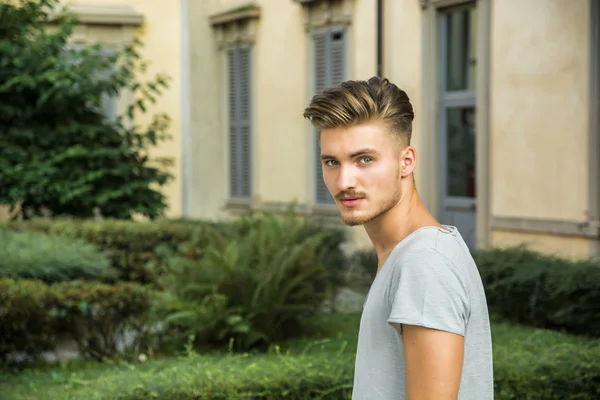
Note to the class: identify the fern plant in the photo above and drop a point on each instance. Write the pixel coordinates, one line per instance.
(252, 282)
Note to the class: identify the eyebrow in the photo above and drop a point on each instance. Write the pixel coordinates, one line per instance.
(360, 152)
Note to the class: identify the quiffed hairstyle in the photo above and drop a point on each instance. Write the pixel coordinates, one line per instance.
(354, 102)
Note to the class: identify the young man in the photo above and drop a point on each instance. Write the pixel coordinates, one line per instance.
(424, 332)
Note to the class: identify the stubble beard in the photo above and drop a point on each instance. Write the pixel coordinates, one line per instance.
(384, 206)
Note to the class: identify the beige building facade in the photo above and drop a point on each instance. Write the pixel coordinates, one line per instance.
(506, 104)
(506, 108)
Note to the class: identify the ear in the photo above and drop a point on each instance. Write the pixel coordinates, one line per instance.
(408, 160)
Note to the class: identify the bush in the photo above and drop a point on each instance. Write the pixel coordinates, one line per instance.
(529, 364)
(35, 316)
(541, 290)
(562, 371)
(256, 377)
(51, 258)
(59, 153)
(334, 257)
(537, 364)
(131, 245)
(252, 281)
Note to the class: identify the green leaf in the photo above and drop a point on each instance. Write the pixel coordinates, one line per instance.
(234, 319)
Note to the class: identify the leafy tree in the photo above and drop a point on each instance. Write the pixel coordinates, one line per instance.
(60, 154)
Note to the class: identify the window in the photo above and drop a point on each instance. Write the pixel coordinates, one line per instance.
(108, 101)
(330, 70)
(458, 36)
(239, 122)
(458, 98)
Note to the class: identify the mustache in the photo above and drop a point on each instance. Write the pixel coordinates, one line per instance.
(350, 194)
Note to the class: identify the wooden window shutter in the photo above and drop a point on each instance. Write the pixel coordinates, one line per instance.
(240, 124)
(330, 70)
(244, 127)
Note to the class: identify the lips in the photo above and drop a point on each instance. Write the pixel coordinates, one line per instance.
(351, 201)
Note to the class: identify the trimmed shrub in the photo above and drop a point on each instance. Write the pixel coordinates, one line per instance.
(532, 364)
(300, 377)
(529, 364)
(51, 258)
(522, 371)
(552, 373)
(253, 282)
(543, 291)
(34, 316)
(25, 324)
(131, 245)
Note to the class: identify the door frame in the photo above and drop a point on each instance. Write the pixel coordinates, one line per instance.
(451, 100)
(594, 123)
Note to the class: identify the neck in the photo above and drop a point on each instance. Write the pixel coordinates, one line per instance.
(408, 215)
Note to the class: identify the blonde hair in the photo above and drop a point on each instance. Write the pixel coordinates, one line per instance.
(354, 102)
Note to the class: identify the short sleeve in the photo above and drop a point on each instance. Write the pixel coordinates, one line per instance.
(428, 290)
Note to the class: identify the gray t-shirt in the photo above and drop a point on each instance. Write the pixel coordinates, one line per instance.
(429, 279)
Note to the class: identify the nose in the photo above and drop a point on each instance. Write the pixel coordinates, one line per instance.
(347, 177)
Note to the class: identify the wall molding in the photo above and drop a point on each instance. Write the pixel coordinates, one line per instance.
(442, 3)
(321, 13)
(330, 214)
(583, 229)
(236, 25)
(106, 15)
(327, 213)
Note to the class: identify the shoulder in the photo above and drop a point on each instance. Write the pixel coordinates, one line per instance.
(428, 285)
(433, 249)
(432, 263)
(426, 264)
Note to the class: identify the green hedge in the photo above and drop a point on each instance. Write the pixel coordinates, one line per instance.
(254, 279)
(35, 316)
(532, 363)
(568, 371)
(255, 377)
(541, 290)
(51, 258)
(529, 365)
(131, 245)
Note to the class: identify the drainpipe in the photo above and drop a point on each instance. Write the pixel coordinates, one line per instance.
(186, 178)
(380, 38)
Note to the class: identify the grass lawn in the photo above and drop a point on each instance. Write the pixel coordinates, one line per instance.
(321, 360)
